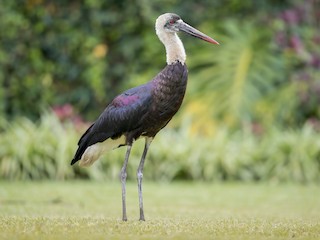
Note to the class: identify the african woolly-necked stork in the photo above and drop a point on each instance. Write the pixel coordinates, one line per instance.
(144, 110)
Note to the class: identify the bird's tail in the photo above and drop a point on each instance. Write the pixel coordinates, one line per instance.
(74, 161)
(82, 146)
(81, 149)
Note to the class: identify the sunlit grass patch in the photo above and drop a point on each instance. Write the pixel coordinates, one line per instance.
(92, 210)
(105, 228)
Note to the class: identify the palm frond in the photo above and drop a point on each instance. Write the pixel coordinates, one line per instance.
(239, 73)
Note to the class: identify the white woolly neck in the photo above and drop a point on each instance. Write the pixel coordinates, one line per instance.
(174, 47)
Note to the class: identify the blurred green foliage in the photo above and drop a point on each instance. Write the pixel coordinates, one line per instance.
(75, 56)
(265, 72)
(44, 151)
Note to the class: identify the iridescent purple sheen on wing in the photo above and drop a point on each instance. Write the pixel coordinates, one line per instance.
(139, 111)
(124, 100)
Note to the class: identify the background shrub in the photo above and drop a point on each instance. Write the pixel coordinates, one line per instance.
(44, 150)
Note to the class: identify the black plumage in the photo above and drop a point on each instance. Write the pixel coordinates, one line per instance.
(139, 111)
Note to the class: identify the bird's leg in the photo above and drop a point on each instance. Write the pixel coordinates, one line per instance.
(140, 176)
(123, 177)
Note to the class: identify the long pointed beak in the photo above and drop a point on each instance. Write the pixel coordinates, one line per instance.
(184, 27)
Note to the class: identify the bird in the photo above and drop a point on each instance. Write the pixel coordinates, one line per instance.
(142, 111)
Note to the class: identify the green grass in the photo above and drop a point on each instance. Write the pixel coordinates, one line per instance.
(92, 210)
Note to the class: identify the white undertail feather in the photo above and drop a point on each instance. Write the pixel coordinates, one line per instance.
(174, 47)
(93, 152)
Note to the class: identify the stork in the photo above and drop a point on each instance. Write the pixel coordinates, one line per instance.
(141, 112)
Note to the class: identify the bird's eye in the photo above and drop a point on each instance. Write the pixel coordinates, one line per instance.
(171, 21)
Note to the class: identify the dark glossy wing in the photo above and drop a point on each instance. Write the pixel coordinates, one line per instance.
(124, 114)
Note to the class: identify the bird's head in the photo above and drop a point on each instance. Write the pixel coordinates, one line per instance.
(172, 23)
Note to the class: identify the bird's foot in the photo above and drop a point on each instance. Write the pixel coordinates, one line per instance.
(141, 218)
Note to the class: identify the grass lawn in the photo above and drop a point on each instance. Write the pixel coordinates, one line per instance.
(92, 210)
